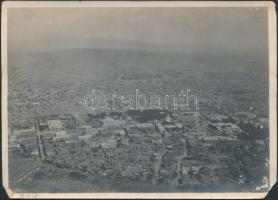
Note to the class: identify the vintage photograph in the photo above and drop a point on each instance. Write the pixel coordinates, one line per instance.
(138, 99)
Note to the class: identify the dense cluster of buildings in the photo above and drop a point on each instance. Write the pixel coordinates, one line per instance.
(177, 149)
(170, 148)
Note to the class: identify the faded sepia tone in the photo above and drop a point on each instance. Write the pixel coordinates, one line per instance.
(208, 67)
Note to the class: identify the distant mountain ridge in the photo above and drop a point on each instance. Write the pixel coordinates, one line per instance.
(68, 43)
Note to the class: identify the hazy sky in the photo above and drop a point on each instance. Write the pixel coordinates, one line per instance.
(232, 29)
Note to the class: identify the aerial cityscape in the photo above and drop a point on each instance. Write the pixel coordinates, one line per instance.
(214, 139)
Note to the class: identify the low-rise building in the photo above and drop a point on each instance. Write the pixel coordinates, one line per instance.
(24, 131)
(55, 124)
(60, 135)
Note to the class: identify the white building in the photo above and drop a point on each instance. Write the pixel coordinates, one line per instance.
(55, 124)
